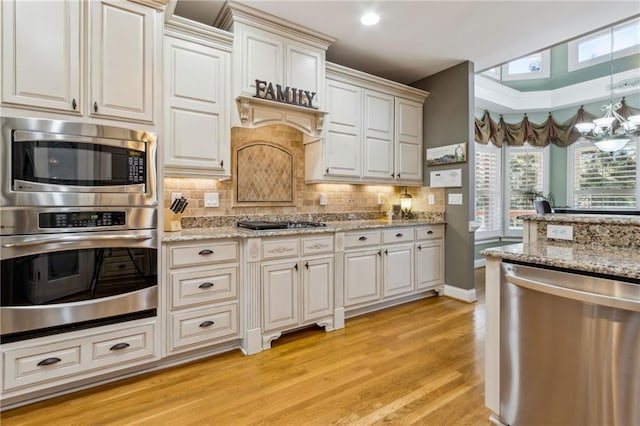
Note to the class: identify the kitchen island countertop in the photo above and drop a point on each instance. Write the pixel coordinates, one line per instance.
(193, 234)
(616, 261)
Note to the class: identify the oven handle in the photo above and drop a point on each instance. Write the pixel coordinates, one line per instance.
(76, 238)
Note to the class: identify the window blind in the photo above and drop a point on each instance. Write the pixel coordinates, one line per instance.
(605, 179)
(488, 205)
(526, 173)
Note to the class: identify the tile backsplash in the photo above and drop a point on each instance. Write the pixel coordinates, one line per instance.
(341, 198)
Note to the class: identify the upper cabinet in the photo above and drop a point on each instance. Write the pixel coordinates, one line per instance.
(49, 60)
(287, 59)
(373, 131)
(122, 39)
(197, 76)
(41, 51)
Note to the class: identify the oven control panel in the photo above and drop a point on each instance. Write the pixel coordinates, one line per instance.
(80, 219)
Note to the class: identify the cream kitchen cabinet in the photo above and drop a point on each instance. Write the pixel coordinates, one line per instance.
(41, 54)
(63, 359)
(343, 129)
(430, 257)
(202, 294)
(197, 82)
(378, 266)
(373, 131)
(42, 59)
(291, 279)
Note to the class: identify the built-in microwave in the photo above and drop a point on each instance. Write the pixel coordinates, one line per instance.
(60, 163)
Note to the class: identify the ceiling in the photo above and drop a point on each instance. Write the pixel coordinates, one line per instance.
(416, 39)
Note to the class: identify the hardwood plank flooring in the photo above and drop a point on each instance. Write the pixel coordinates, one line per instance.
(419, 363)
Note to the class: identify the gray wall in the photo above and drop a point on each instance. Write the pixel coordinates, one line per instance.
(448, 119)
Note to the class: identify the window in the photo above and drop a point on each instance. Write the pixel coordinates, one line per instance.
(537, 65)
(488, 203)
(493, 73)
(605, 180)
(527, 170)
(596, 48)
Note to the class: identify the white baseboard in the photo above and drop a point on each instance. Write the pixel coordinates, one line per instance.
(479, 263)
(460, 293)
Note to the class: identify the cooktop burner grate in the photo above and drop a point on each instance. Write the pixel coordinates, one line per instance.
(265, 225)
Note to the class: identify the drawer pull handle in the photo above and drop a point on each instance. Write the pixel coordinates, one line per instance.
(48, 361)
(119, 346)
(399, 235)
(205, 252)
(206, 324)
(429, 232)
(420, 247)
(363, 238)
(74, 104)
(206, 285)
(95, 107)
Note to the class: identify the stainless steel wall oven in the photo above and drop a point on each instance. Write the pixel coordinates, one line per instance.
(78, 240)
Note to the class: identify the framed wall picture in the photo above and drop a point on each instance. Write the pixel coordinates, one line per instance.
(448, 154)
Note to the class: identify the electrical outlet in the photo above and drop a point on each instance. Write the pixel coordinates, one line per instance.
(380, 198)
(175, 195)
(560, 232)
(324, 200)
(431, 199)
(211, 199)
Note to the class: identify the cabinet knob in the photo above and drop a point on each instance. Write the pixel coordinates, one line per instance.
(398, 175)
(296, 266)
(74, 104)
(393, 175)
(306, 265)
(205, 285)
(420, 247)
(379, 252)
(206, 324)
(221, 163)
(95, 107)
(205, 252)
(327, 170)
(386, 252)
(119, 346)
(48, 361)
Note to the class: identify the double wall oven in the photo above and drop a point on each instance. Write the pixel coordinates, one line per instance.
(78, 241)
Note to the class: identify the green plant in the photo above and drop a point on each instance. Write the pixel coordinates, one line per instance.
(530, 195)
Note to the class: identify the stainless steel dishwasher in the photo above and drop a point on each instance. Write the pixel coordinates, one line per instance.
(569, 348)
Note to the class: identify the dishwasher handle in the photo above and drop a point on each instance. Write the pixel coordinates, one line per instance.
(582, 296)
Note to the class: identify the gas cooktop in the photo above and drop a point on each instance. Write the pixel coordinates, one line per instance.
(265, 225)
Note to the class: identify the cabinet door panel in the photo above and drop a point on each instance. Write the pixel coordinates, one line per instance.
(317, 288)
(398, 270)
(279, 295)
(429, 264)
(342, 154)
(378, 135)
(262, 60)
(191, 139)
(122, 37)
(361, 277)
(408, 135)
(304, 70)
(41, 54)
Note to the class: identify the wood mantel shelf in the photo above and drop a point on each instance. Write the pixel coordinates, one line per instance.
(257, 112)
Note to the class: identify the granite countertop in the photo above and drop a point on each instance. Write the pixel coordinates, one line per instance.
(585, 218)
(192, 234)
(622, 262)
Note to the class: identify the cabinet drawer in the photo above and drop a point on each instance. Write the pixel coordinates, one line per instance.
(274, 249)
(203, 254)
(204, 325)
(36, 364)
(398, 235)
(429, 232)
(317, 245)
(122, 346)
(362, 239)
(203, 285)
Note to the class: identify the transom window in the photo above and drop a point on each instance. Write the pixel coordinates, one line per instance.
(596, 48)
(537, 65)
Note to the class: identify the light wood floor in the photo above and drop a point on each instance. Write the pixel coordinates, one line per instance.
(420, 363)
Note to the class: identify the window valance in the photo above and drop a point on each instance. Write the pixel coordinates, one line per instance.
(541, 135)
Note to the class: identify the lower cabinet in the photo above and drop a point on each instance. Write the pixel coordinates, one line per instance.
(362, 276)
(202, 294)
(280, 295)
(429, 255)
(398, 270)
(44, 362)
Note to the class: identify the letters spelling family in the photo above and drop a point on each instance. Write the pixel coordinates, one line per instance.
(292, 96)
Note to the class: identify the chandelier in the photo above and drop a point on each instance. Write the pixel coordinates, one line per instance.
(613, 130)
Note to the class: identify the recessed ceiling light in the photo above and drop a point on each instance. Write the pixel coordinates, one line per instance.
(370, 18)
